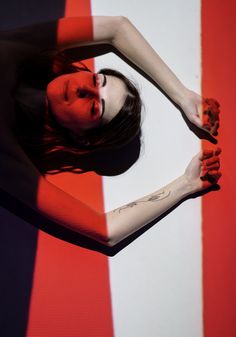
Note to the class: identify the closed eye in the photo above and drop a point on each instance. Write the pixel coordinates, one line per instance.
(103, 107)
(93, 112)
(94, 80)
(93, 108)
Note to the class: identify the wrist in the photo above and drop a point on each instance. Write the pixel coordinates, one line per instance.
(182, 96)
(191, 185)
(186, 186)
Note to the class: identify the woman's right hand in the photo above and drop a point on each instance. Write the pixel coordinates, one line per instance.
(203, 170)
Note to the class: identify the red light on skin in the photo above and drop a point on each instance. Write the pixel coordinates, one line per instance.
(70, 212)
(75, 100)
(68, 267)
(210, 173)
(73, 31)
(211, 111)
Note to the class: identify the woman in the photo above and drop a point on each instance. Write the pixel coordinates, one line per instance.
(82, 104)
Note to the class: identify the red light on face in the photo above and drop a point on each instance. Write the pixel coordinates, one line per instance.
(75, 100)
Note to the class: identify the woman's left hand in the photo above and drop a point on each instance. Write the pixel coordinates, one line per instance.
(203, 170)
(203, 113)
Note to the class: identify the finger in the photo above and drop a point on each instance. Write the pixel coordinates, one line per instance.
(218, 151)
(214, 167)
(211, 178)
(213, 116)
(210, 118)
(205, 154)
(215, 128)
(212, 174)
(197, 121)
(207, 126)
(211, 113)
(211, 160)
(211, 102)
(205, 171)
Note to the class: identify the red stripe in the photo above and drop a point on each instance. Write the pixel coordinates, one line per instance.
(71, 294)
(219, 211)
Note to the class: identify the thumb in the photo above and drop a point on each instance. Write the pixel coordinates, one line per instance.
(197, 121)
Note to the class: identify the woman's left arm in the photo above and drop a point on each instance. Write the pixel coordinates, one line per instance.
(122, 34)
(118, 31)
(129, 41)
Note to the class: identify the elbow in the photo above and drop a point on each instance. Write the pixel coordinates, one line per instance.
(111, 243)
(120, 24)
(108, 241)
(123, 20)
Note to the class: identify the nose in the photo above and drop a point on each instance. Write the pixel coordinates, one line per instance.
(88, 91)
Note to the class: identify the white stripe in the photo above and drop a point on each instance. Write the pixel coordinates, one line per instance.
(156, 281)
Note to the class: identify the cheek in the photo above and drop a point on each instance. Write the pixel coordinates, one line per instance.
(80, 111)
(86, 110)
(55, 87)
(80, 116)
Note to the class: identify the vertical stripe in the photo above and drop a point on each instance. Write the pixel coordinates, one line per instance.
(219, 214)
(71, 295)
(156, 280)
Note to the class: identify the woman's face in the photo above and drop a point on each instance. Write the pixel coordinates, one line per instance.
(85, 100)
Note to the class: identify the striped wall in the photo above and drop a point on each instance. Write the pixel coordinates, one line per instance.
(219, 217)
(71, 293)
(178, 279)
(156, 280)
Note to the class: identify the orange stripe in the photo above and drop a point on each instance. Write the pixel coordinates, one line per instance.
(219, 213)
(77, 7)
(71, 294)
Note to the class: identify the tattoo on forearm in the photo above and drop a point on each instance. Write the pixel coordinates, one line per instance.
(155, 197)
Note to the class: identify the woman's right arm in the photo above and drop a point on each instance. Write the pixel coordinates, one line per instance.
(201, 173)
(20, 178)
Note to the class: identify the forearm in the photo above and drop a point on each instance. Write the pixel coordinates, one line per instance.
(129, 41)
(19, 178)
(129, 218)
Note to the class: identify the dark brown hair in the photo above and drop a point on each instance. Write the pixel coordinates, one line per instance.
(44, 139)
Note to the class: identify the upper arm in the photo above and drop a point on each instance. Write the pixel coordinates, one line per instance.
(20, 178)
(66, 33)
(77, 31)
